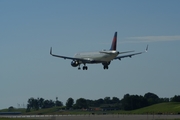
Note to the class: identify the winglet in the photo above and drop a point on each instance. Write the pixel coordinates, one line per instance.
(51, 50)
(114, 42)
(146, 49)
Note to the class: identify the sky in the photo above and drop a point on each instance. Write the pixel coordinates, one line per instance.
(28, 28)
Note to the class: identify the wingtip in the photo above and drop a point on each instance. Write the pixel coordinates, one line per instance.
(51, 50)
(147, 48)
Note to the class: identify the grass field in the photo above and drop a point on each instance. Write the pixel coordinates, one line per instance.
(170, 108)
(168, 119)
(93, 117)
(162, 108)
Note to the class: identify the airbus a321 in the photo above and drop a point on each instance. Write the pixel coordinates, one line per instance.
(104, 57)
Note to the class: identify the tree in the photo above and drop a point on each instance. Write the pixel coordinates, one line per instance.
(115, 100)
(90, 103)
(99, 102)
(81, 103)
(176, 98)
(163, 100)
(41, 102)
(151, 98)
(59, 103)
(33, 104)
(48, 104)
(131, 102)
(36, 104)
(69, 103)
(28, 109)
(107, 100)
(126, 102)
(11, 108)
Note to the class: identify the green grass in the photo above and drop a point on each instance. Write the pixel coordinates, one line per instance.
(169, 119)
(170, 107)
(164, 108)
(56, 111)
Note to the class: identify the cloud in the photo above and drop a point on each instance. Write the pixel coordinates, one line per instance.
(152, 39)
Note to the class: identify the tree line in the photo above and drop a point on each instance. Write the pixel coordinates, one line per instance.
(128, 102)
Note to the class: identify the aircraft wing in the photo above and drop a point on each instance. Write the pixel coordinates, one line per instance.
(72, 58)
(65, 57)
(130, 55)
(60, 55)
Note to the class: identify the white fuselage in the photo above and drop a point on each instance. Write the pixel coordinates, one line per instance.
(104, 57)
(101, 56)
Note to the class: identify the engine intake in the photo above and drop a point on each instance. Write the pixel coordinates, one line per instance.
(74, 63)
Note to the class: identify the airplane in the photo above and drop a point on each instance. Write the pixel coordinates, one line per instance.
(104, 57)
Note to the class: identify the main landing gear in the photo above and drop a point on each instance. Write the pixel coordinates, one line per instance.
(106, 67)
(84, 67)
(105, 64)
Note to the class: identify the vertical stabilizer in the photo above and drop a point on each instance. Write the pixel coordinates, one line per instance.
(114, 42)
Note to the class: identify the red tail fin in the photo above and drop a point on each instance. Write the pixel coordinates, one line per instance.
(114, 42)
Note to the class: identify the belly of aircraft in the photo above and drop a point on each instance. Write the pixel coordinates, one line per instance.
(97, 57)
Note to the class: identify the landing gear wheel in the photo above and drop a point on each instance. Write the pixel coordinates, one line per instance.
(106, 67)
(79, 68)
(85, 67)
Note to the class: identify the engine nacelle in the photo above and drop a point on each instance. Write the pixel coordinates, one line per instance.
(74, 63)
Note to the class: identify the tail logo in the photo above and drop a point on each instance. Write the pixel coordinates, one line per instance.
(114, 42)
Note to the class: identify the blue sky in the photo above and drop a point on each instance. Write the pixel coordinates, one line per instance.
(29, 28)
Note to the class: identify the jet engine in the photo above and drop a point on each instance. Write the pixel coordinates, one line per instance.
(74, 63)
